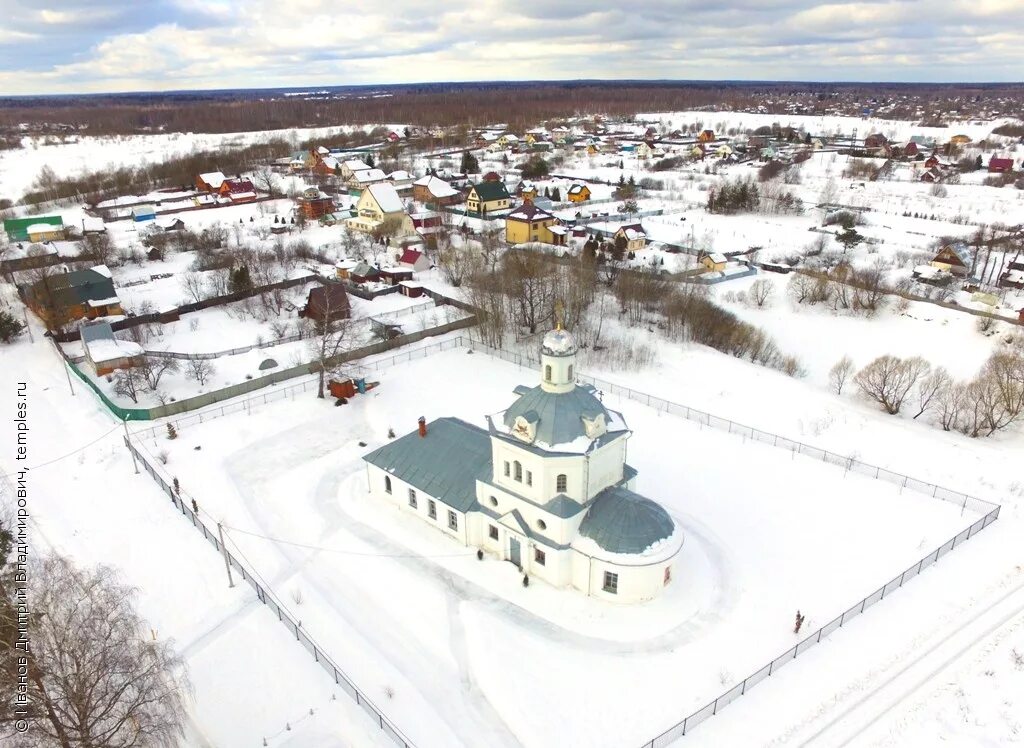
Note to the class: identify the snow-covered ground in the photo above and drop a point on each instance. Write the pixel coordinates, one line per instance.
(289, 485)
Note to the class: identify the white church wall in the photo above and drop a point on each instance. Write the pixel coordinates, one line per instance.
(399, 497)
(635, 583)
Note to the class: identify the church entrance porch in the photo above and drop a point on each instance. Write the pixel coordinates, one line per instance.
(514, 553)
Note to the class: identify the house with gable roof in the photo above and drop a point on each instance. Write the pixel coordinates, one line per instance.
(488, 196)
(956, 258)
(377, 204)
(545, 487)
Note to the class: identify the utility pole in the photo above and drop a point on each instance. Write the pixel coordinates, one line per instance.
(31, 337)
(224, 551)
(128, 443)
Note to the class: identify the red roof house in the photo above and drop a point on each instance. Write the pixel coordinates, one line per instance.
(1000, 165)
(238, 190)
(414, 259)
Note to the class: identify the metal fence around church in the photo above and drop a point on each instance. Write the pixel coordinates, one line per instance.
(184, 504)
(989, 510)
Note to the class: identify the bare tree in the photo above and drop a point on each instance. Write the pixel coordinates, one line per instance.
(456, 264)
(194, 284)
(760, 291)
(153, 370)
(129, 383)
(931, 389)
(839, 374)
(200, 370)
(95, 676)
(531, 287)
(265, 179)
(888, 380)
(331, 337)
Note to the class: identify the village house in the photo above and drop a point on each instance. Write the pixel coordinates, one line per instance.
(546, 487)
(81, 294)
(434, 191)
(488, 196)
(1000, 165)
(105, 353)
(210, 182)
(413, 259)
(314, 204)
(379, 204)
(715, 262)
(348, 168)
(526, 189)
(426, 222)
(633, 235)
(529, 223)
(578, 193)
(238, 190)
(44, 228)
(956, 258)
(327, 303)
(362, 179)
(706, 136)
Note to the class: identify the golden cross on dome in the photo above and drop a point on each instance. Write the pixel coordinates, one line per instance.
(558, 314)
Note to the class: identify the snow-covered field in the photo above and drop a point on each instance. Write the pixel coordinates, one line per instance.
(455, 650)
(467, 649)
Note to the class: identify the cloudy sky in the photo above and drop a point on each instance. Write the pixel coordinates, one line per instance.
(75, 46)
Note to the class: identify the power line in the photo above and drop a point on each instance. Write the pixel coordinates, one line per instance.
(63, 457)
(341, 550)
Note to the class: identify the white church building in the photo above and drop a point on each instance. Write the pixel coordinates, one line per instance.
(545, 487)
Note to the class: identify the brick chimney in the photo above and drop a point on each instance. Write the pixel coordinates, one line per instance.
(423, 426)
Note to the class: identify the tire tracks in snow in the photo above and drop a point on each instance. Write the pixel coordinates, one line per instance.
(921, 670)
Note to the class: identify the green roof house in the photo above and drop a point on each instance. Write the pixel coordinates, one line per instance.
(17, 229)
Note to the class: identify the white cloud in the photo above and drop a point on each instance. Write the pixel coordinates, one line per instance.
(229, 43)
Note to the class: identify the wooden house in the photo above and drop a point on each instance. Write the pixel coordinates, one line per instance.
(434, 191)
(238, 190)
(1000, 165)
(956, 258)
(714, 261)
(875, 141)
(313, 204)
(633, 235)
(578, 193)
(488, 196)
(211, 181)
(327, 303)
(58, 299)
(706, 136)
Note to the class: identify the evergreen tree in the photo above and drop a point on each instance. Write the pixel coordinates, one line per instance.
(240, 280)
(469, 164)
(369, 161)
(10, 327)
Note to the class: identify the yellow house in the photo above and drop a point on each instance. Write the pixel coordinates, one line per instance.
(714, 262)
(959, 140)
(380, 203)
(487, 197)
(508, 139)
(634, 236)
(643, 150)
(579, 193)
(528, 223)
(530, 138)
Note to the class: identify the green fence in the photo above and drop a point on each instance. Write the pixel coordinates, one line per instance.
(123, 414)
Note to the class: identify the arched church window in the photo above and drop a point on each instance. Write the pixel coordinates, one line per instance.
(387, 483)
(547, 373)
(517, 470)
(570, 372)
(561, 483)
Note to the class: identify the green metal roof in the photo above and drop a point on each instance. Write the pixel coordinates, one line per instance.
(488, 191)
(558, 415)
(74, 288)
(17, 228)
(621, 521)
(444, 464)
